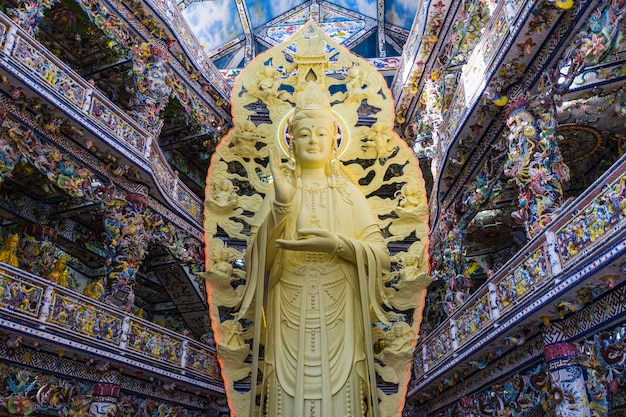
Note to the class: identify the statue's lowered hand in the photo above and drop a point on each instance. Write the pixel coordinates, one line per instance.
(312, 240)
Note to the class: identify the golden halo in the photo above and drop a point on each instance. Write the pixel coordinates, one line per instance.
(344, 134)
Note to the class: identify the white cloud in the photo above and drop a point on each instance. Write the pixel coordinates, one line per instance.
(257, 14)
(213, 22)
(407, 4)
(268, 10)
(402, 13)
(281, 6)
(366, 7)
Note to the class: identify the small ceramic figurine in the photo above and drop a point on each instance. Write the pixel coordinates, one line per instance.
(7, 254)
(95, 289)
(60, 272)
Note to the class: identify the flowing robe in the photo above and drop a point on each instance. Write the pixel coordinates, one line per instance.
(315, 353)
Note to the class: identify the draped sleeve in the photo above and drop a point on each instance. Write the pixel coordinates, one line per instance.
(269, 224)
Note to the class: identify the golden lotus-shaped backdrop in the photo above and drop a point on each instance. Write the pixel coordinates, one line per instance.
(369, 154)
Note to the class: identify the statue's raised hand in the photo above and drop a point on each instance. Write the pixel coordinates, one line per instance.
(284, 178)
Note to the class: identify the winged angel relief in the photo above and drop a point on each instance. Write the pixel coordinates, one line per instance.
(312, 314)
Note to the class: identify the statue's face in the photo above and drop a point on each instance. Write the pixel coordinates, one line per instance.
(312, 141)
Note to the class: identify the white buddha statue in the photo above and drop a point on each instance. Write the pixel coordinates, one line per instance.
(320, 256)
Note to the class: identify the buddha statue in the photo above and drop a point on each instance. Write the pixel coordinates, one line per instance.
(322, 250)
(306, 287)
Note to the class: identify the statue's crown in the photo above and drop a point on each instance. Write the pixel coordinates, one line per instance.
(312, 98)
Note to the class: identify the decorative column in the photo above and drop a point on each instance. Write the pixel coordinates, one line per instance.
(127, 243)
(151, 88)
(36, 249)
(432, 105)
(447, 261)
(604, 361)
(534, 163)
(568, 381)
(9, 137)
(28, 14)
(105, 395)
(152, 82)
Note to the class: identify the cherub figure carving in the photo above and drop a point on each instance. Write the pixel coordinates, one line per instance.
(221, 274)
(379, 140)
(411, 212)
(268, 85)
(224, 197)
(227, 207)
(245, 138)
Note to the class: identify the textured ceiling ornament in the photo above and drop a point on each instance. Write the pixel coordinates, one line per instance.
(368, 151)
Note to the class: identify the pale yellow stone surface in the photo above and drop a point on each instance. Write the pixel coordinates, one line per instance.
(317, 271)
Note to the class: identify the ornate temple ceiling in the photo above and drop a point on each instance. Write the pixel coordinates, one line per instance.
(232, 33)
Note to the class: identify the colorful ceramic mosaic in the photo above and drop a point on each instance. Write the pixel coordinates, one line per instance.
(529, 352)
(36, 250)
(81, 318)
(28, 15)
(447, 262)
(194, 106)
(473, 319)
(594, 222)
(87, 319)
(119, 31)
(299, 16)
(523, 281)
(132, 405)
(151, 341)
(340, 32)
(483, 55)
(605, 365)
(78, 181)
(518, 393)
(151, 90)
(163, 171)
(486, 187)
(601, 311)
(418, 366)
(440, 346)
(169, 393)
(538, 175)
(181, 245)
(188, 201)
(46, 70)
(419, 48)
(201, 360)
(451, 99)
(20, 296)
(167, 10)
(116, 122)
(32, 392)
(594, 44)
(127, 239)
